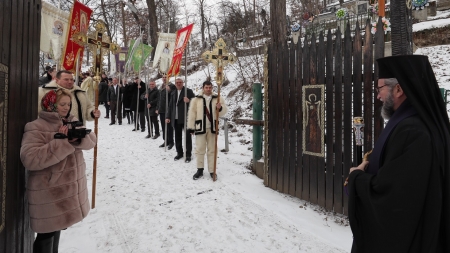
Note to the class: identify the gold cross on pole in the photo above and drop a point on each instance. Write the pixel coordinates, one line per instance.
(220, 58)
(99, 44)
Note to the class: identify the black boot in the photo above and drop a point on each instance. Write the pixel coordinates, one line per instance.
(56, 241)
(43, 245)
(199, 174)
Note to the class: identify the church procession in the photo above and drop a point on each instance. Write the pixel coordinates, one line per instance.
(224, 126)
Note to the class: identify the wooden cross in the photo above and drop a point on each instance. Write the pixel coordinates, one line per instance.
(220, 58)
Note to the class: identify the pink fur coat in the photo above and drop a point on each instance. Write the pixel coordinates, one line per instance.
(57, 188)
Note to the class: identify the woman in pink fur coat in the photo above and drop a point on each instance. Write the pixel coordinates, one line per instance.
(56, 187)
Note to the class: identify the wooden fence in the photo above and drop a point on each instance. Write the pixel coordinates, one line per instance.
(19, 72)
(315, 88)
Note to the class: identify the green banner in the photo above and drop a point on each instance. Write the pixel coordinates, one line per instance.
(140, 53)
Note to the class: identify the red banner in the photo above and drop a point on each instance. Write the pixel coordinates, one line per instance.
(78, 22)
(180, 44)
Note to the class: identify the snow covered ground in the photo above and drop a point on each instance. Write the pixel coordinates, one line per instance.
(146, 202)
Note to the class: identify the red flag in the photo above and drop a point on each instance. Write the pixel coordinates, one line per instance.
(180, 44)
(78, 22)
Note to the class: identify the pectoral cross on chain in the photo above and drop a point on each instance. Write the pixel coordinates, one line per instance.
(220, 58)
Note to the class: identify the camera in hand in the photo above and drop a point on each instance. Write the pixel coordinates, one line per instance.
(74, 132)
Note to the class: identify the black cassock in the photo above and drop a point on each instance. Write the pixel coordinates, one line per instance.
(401, 203)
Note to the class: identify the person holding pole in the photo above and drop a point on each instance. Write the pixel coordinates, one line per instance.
(152, 96)
(102, 93)
(127, 97)
(161, 109)
(115, 104)
(179, 103)
(201, 122)
(82, 108)
(138, 103)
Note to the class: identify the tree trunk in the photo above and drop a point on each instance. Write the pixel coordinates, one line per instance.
(153, 30)
(201, 6)
(278, 22)
(401, 28)
(125, 41)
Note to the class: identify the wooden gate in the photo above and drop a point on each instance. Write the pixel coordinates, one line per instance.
(19, 60)
(315, 88)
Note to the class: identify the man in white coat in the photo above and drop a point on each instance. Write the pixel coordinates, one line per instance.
(82, 108)
(201, 122)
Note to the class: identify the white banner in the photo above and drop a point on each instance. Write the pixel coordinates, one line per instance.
(54, 24)
(164, 51)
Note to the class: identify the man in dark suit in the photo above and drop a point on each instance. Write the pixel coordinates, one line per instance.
(162, 107)
(113, 97)
(176, 115)
(103, 91)
(151, 115)
(137, 89)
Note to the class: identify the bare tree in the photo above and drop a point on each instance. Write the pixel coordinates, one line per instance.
(201, 9)
(153, 26)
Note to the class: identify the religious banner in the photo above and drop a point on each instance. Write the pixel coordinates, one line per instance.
(180, 44)
(164, 51)
(313, 120)
(139, 54)
(54, 24)
(121, 59)
(79, 23)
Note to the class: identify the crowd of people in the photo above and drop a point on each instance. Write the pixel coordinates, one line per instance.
(52, 144)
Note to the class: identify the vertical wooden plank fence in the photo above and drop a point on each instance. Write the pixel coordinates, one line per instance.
(19, 72)
(341, 62)
(292, 116)
(338, 140)
(299, 123)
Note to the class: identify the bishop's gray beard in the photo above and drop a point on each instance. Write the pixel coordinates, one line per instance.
(388, 107)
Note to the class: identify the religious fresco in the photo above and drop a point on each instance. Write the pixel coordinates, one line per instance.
(3, 139)
(313, 120)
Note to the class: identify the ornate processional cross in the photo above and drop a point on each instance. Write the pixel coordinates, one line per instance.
(98, 43)
(220, 58)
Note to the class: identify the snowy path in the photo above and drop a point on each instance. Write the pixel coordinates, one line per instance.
(146, 202)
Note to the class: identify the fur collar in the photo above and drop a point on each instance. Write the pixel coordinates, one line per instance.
(53, 117)
(54, 85)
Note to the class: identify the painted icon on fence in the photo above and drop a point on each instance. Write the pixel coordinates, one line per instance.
(313, 120)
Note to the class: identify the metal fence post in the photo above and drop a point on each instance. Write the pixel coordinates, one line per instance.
(225, 130)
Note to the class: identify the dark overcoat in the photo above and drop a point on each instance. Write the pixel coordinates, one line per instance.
(127, 96)
(161, 107)
(102, 91)
(134, 97)
(178, 103)
(153, 100)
